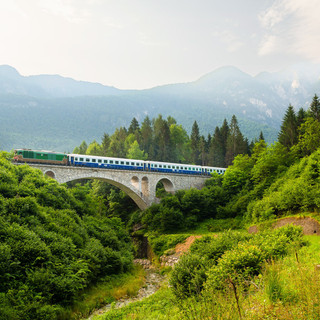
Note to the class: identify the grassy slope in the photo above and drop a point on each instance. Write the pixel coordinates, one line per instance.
(286, 289)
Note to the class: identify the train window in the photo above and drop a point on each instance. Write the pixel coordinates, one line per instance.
(185, 168)
(121, 162)
(138, 164)
(169, 167)
(116, 162)
(81, 159)
(192, 169)
(99, 160)
(127, 163)
(173, 167)
(132, 163)
(93, 160)
(160, 165)
(164, 166)
(105, 161)
(76, 159)
(156, 166)
(111, 161)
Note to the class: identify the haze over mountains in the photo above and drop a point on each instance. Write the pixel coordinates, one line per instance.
(54, 112)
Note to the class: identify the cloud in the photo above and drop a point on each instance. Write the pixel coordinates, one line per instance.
(232, 41)
(292, 26)
(268, 45)
(69, 10)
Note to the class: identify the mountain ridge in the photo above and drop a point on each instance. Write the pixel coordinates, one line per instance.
(51, 111)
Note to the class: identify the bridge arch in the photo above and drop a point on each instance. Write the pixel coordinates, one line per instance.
(139, 185)
(132, 189)
(167, 184)
(50, 173)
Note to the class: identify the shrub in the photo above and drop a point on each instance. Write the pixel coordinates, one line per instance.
(188, 276)
(160, 244)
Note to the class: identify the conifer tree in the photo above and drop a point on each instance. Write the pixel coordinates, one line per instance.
(315, 108)
(162, 142)
(236, 143)
(194, 142)
(261, 137)
(105, 144)
(224, 131)
(203, 150)
(216, 150)
(134, 126)
(288, 134)
(147, 136)
(83, 147)
(301, 117)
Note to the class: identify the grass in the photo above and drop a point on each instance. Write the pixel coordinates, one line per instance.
(105, 292)
(159, 306)
(286, 289)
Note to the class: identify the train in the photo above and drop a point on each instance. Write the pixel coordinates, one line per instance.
(78, 160)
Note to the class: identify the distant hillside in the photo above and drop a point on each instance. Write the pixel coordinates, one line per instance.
(53, 112)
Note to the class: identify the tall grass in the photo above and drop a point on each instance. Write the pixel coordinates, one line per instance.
(112, 289)
(287, 289)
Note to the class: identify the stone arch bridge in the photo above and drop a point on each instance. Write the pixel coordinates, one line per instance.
(139, 185)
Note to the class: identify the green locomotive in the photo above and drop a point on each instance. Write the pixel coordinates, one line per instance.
(40, 156)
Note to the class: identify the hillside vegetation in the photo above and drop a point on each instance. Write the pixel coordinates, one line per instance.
(37, 110)
(54, 243)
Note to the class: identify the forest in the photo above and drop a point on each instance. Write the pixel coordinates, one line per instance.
(58, 240)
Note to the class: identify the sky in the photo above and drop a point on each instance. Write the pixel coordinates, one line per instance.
(138, 44)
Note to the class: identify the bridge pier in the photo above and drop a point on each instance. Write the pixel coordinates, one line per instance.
(139, 185)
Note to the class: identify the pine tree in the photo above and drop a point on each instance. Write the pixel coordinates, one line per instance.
(147, 136)
(83, 147)
(261, 137)
(162, 141)
(194, 142)
(203, 150)
(301, 117)
(315, 108)
(288, 135)
(216, 150)
(105, 144)
(134, 126)
(236, 143)
(224, 131)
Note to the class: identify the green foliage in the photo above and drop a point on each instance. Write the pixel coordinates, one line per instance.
(162, 243)
(54, 243)
(184, 209)
(231, 258)
(188, 276)
(218, 225)
(288, 134)
(309, 137)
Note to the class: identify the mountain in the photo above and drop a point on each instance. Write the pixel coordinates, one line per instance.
(49, 86)
(54, 112)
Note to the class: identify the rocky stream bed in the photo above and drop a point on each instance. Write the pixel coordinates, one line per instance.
(152, 284)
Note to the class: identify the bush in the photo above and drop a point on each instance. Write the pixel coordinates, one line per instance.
(188, 276)
(160, 244)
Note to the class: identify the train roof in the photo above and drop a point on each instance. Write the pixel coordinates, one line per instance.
(33, 150)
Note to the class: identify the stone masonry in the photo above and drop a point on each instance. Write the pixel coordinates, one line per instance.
(139, 185)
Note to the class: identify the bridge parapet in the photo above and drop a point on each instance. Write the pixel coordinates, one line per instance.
(139, 185)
